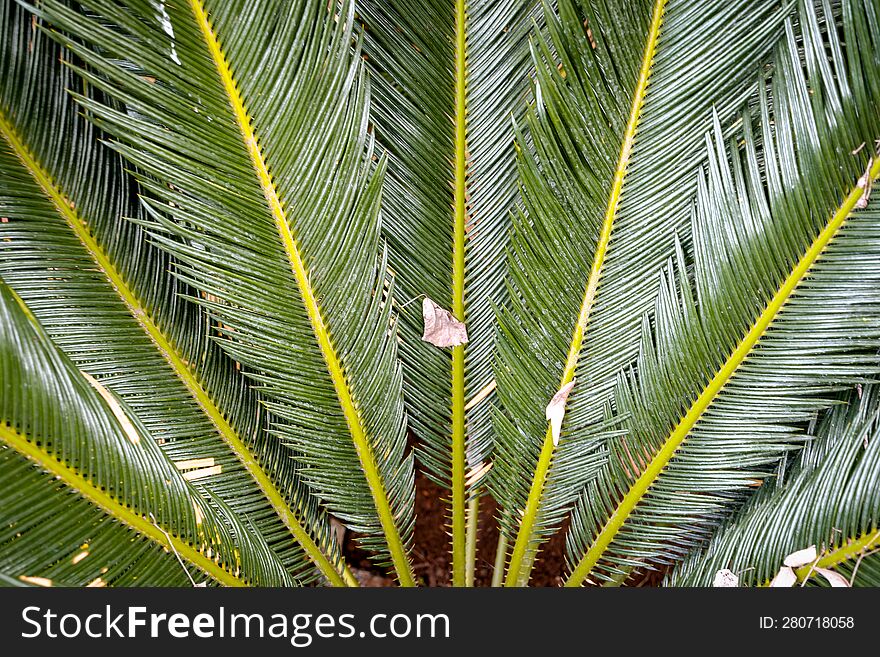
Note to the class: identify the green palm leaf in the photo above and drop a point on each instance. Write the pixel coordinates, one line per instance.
(623, 97)
(828, 500)
(449, 77)
(88, 496)
(269, 203)
(105, 297)
(786, 245)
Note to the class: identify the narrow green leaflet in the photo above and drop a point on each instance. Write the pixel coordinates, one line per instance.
(829, 500)
(105, 296)
(450, 77)
(88, 496)
(782, 312)
(248, 123)
(623, 97)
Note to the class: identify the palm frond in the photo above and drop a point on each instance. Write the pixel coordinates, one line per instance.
(828, 500)
(624, 92)
(449, 79)
(269, 203)
(103, 293)
(784, 309)
(88, 496)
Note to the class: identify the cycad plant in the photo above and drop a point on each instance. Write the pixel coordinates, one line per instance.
(614, 264)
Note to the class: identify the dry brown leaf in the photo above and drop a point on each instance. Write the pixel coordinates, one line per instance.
(784, 579)
(556, 410)
(865, 183)
(441, 327)
(338, 531)
(725, 579)
(836, 580)
(801, 557)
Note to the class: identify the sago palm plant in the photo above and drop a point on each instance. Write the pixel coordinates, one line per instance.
(614, 264)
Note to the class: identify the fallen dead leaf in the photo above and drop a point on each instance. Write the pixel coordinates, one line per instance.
(442, 329)
(477, 473)
(801, 557)
(836, 580)
(865, 183)
(36, 581)
(191, 475)
(338, 531)
(116, 408)
(784, 579)
(194, 464)
(725, 579)
(481, 395)
(556, 410)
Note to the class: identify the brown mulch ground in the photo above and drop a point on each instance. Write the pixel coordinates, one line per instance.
(431, 549)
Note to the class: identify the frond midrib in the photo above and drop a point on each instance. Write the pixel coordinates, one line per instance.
(852, 550)
(112, 507)
(520, 561)
(356, 427)
(707, 396)
(459, 531)
(169, 353)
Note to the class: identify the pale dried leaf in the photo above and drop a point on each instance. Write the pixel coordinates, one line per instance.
(725, 579)
(784, 579)
(116, 408)
(441, 327)
(865, 183)
(193, 464)
(801, 557)
(201, 585)
(338, 531)
(481, 395)
(203, 472)
(556, 410)
(477, 473)
(836, 580)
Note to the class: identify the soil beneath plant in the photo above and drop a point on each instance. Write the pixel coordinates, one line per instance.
(430, 555)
